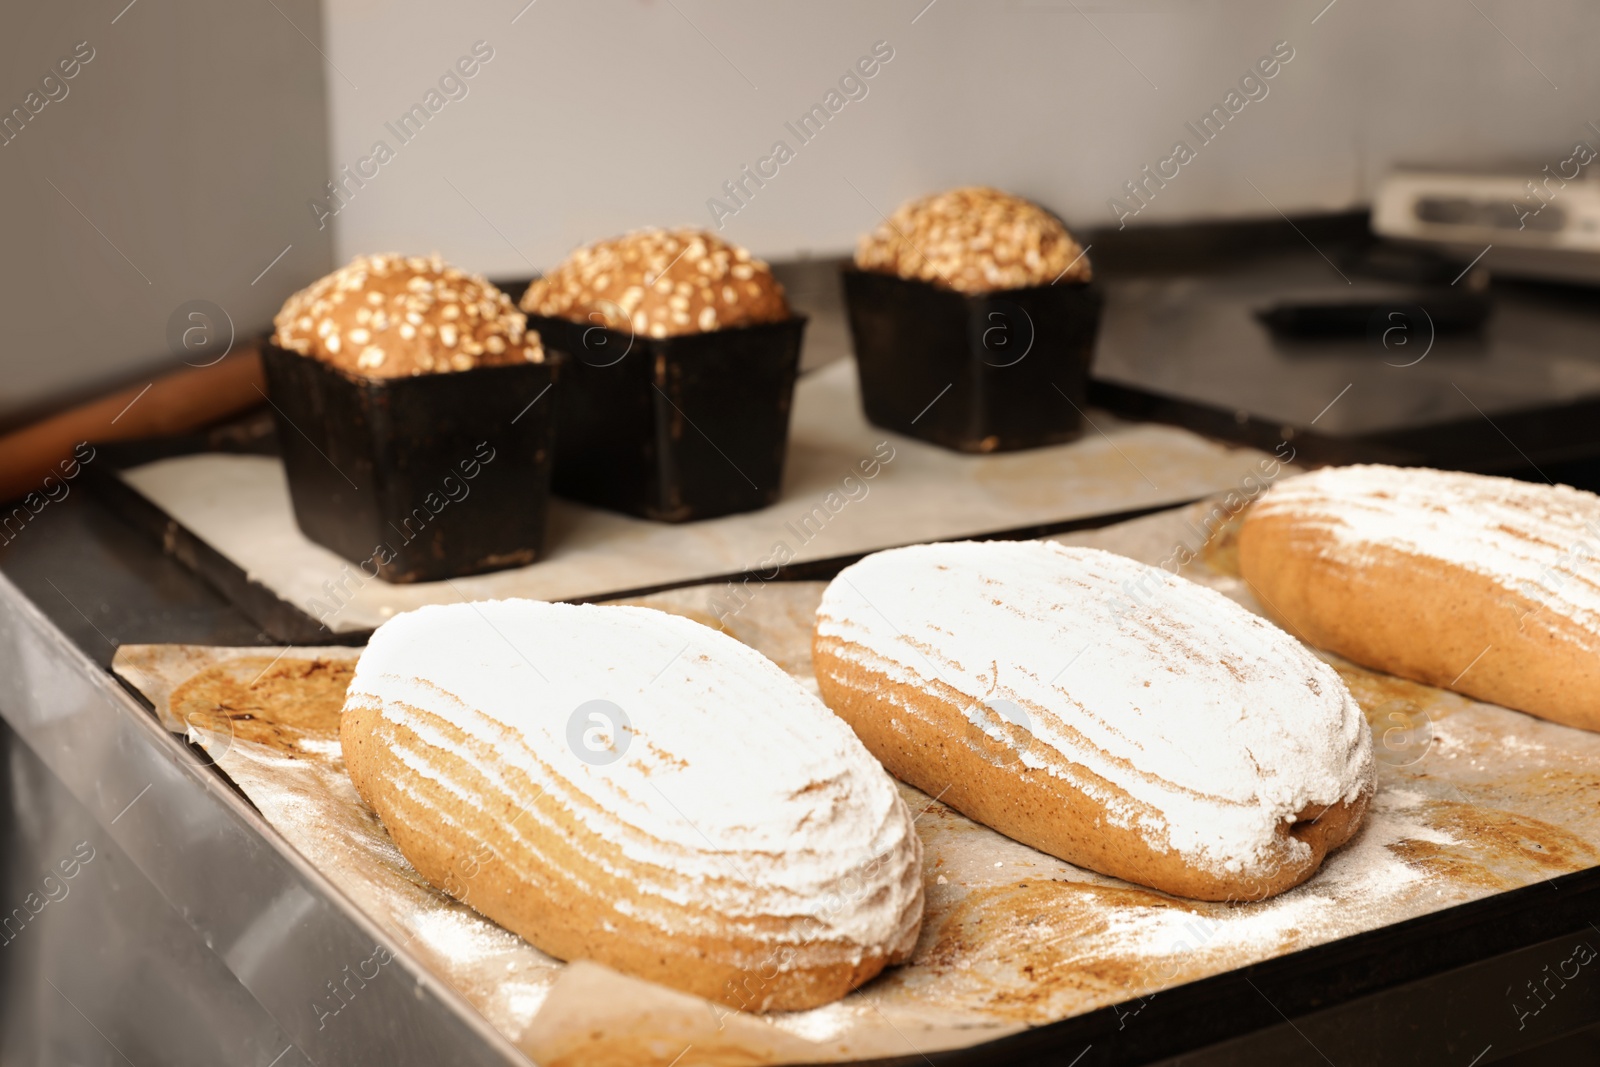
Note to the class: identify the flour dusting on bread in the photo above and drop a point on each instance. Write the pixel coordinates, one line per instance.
(742, 830)
(1538, 541)
(1488, 586)
(1189, 721)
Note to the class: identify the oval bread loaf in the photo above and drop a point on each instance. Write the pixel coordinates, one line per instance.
(1489, 586)
(1174, 740)
(627, 786)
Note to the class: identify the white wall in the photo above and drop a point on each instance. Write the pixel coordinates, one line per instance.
(196, 138)
(596, 117)
(168, 172)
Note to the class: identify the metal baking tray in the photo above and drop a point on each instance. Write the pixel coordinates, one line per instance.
(1183, 342)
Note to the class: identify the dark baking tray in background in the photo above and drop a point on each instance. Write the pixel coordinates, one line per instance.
(1182, 343)
(1436, 989)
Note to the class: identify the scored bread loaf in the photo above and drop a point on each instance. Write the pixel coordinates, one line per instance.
(1149, 729)
(1488, 586)
(627, 786)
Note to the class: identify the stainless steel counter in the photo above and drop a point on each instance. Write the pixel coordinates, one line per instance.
(191, 934)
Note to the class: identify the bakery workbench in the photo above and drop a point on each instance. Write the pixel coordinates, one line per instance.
(190, 932)
(194, 934)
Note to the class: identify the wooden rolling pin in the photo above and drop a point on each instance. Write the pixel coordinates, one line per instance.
(172, 404)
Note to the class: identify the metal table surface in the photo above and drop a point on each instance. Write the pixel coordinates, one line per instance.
(194, 935)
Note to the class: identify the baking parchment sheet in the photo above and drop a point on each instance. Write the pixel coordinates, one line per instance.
(239, 505)
(1472, 800)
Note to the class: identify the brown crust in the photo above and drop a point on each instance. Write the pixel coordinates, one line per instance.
(660, 283)
(1424, 619)
(974, 240)
(552, 900)
(388, 316)
(981, 778)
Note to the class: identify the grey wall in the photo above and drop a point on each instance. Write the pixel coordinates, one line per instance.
(163, 175)
(597, 117)
(199, 137)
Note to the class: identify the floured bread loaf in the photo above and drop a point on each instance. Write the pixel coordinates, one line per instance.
(709, 825)
(1168, 737)
(1489, 586)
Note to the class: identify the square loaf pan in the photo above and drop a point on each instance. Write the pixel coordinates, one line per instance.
(419, 478)
(673, 428)
(989, 372)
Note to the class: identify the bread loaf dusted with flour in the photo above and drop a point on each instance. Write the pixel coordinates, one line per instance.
(1166, 736)
(627, 786)
(1489, 586)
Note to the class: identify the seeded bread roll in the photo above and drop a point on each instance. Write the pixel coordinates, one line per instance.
(1175, 740)
(1488, 586)
(974, 240)
(660, 283)
(388, 316)
(627, 786)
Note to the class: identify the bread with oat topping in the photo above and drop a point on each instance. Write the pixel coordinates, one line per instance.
(975, 240)
(660, 283)
(389, 316)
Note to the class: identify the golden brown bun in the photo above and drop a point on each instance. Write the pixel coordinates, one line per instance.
(388, 316)
(974, 240)
(1483, 585)
(660, 283)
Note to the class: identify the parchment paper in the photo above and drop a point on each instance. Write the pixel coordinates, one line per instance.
(239, 505)
(1473, 799)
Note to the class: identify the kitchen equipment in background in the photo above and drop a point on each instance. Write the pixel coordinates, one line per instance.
(1183, 342)
(1446, 313)
(1541, 222)
(178, 402)
(1433, 294)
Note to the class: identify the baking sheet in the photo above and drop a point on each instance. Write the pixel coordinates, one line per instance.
(1472, 800)
(239, 505)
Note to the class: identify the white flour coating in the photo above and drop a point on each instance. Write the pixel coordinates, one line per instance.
(1539, 541)
(737, 793)
(1361, 886)
(1218, 726)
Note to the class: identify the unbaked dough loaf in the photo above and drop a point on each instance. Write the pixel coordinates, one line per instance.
(1105, 712)
(724, 833)
(1489, 586)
